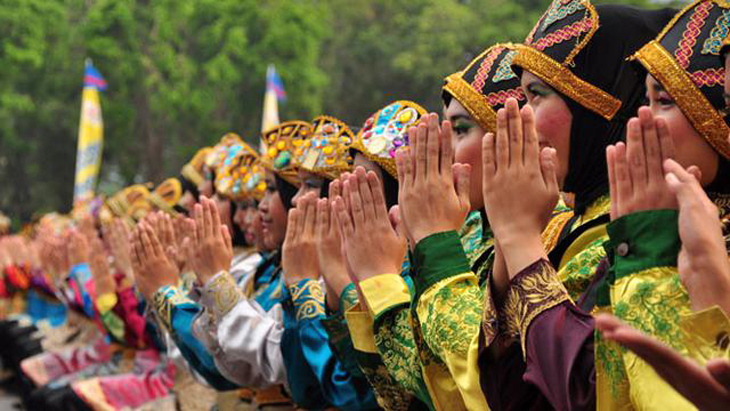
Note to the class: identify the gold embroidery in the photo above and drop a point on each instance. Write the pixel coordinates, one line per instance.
(308, 297)
(704, 117)
(561, 78)
(225, 293)
(532, 293)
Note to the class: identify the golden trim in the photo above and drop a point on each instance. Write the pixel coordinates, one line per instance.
(563, 80)
(703, 116)
(290, 175)
(387, 164)
(474, 102)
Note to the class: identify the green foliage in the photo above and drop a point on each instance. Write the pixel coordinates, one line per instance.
(182, 73)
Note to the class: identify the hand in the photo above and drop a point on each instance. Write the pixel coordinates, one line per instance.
(520, 186)
(99, 265)
(372, 246)
(299, 253)
(78, 248)
(702, 263)
(429, 202)
(213, 246)
(635, 174)
(328, 239)
(152, 269)
(117, 237)
(707, 388)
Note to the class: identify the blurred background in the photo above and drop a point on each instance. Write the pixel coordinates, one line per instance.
(181, 73)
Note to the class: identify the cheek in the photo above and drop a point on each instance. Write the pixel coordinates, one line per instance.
(469, 151)
(553, 122)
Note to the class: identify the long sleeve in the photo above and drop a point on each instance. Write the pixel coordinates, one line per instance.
(81, 283)
(244, 340)
(340, 388)
(177, 312)
(449, 305)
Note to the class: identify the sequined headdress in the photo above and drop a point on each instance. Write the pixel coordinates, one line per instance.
(486, 83)
(166, 195)
(684, 59)
(193, 171)
(130, 204)
(386, 131)
(327, 151)
(280, 144)
(241, 176)
(221, 151)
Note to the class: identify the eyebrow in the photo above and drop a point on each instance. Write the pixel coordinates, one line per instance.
(657, 87)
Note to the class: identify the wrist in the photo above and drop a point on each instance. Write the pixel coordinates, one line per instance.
(520, 251)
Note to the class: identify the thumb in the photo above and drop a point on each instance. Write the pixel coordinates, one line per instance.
(227, 238)
(462, 174)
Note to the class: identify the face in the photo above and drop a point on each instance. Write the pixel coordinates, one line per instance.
(553, 119)
(311, 183)
(187, 201)
(256, 232)
(690, 148)
(224, 209)
(273, 214)
(239, 218)
(467, 142)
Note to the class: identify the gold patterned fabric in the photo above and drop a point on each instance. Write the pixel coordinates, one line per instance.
(684, 59)
(308, 298)
(221, 294)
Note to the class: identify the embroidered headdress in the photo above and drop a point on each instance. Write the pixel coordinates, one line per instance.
(166, 195)
(193, 171)
(486, 83)
(684, 59)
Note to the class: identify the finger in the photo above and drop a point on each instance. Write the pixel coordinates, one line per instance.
(208, 218)
(400, 170)
(366, 196)
(198, 215)
(292, 225)
(447, 149)
(502, 140)
(623, 178)
(323, 220)
(719, 369)
(548, 167)
(215, 216)
(310, 215)
(156, 245)
(666, 143)
(149, 250)
(635, 155)
(612, 190)
(463, 184)
(432, 145)
(514, 126)
(381, 209)
(652, 149)
(356, 207)
(226, 235)
(696, 172)
(335, 189)
(531, 156)
(409, 166)
(344, 220)
(489, 167)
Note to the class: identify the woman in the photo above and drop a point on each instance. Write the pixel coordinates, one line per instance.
(573, 91)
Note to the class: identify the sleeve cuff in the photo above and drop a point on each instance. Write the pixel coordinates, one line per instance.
(348, 298)
(106, 302)
(384, 292)
(437, 257)
(308, 299)
(644, 240)
(533, 291)
(360, 324)
(220, 294)
(165, 300)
